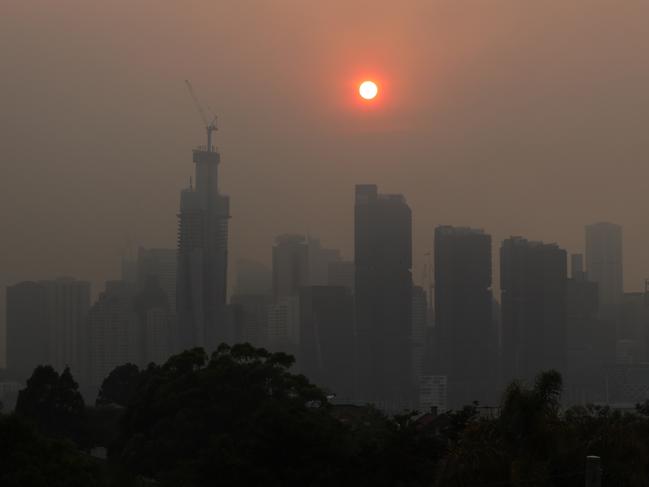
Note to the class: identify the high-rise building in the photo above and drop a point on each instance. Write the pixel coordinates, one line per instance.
(254, 318)
(113, 331)
(383, 294)
(47, 325)
(326, 338)
(290, 266)
(284, 325)
(201, 285)
(160, 264)
(577, 267)
(433, 394)
(27, 329)
(533, 297)
(466, 338)
(604, 261)
(419, 332)
(319, 260)
(341, 273)
(590, 342)
(67, 304)
(154, 321)
(633, 324)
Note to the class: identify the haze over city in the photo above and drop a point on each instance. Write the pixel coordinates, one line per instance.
(519, 118)
(376, 157)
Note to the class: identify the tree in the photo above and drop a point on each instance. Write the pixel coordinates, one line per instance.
(120, 385)
(53, 402)
(27, 459)
(529, 443)
(241, 418)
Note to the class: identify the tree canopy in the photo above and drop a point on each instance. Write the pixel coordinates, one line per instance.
(53, 402)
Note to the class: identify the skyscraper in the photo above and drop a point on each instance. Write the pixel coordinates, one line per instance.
(290, 266)
(341, 273)
(113, 331)
(419, 332)
(254, 317)
(27, 330)
(533, 286)
(604, 261)
(160, 264)
(465, 333)
(202, 254)
(67, 304)
(320, 259)
(47, 325)
(326, 337)
(383, 293)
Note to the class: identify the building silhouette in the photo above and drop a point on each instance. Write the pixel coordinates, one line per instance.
(533, 296)
(466, 338)
(27, 330)
(326, 338)
(67, 304)
(419, 334)
(320, 259)
(253, 310)
(341, 273)
(290, 266)
(590, 341)
(604, 261)
(113, 331)
(383, 296)
(160, 264)
(201, 284)
(154, 321)
(47, 325)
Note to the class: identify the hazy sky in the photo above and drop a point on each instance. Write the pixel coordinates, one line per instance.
(521, 117)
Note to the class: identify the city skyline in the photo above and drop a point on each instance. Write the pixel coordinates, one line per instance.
(480, 118)
(299, 182)
(326, 242)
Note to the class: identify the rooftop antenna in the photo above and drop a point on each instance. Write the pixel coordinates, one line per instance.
(210, 125)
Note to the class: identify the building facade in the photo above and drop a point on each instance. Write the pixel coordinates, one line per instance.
(326, 338)
(466, 337)
(604, 261)
(533, 297)
(201, 284)
(383, 295)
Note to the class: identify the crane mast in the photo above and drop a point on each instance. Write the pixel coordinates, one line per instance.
(210, 123)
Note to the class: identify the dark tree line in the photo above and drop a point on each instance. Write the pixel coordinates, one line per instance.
(241, 417)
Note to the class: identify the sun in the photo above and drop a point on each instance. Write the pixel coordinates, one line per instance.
(368, 90)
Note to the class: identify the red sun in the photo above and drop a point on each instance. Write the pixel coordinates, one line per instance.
(368, 90)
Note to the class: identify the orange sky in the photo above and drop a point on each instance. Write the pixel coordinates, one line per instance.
(520, 117)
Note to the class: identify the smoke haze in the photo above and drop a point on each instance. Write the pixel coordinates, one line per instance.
(525, 118)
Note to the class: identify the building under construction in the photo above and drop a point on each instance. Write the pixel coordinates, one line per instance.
(202, 252)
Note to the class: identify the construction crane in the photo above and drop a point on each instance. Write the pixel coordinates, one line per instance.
(210, 125)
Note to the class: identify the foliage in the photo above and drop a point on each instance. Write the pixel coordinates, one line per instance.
(240, 417)
(53, 402)
(28, 459)
(120, 386)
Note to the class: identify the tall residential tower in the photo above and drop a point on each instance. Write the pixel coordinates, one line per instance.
(383, 290)
(604, 261)
(466, 337)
